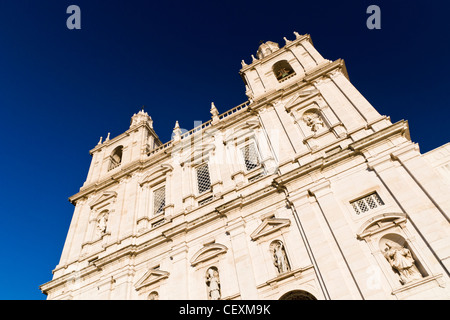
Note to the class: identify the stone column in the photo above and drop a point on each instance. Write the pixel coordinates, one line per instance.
(178, 279)
(242, 260)
(341, 238)
(142, 208)
(329, 265)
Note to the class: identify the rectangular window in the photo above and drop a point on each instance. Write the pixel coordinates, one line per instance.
(367, 203)
(250, 155)
(159, 200)
(203, 178)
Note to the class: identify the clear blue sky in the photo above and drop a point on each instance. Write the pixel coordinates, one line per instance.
(60, 89)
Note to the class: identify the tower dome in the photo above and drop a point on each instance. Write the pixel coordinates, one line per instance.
(266, 49)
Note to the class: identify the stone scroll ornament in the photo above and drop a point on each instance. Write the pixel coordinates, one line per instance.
(313, 120)
(213, 283)
(402, 262)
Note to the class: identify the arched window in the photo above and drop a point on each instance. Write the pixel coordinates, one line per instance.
(297, 295)
(116, 158)
(283, 70)
(154, 295)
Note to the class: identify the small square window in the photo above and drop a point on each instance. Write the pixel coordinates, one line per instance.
(368, 203)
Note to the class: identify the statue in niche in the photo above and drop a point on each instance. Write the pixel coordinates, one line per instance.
(279, 257)
(101, 224)
(213, 283)
(313, 120)
(401, 260)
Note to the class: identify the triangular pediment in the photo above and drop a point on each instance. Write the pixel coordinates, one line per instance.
(301, 97)
(268, 226)
(208, 252)
(380, 223)
(103, 200)
(150, 277)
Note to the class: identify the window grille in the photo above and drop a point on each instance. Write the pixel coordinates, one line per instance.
(250, 156)
(159, 200)
(367, 203)
(203, 178)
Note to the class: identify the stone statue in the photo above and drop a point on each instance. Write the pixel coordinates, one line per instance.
(101, 224)
(213, 283)
(401, 260)
(313, 120)
(279, 257)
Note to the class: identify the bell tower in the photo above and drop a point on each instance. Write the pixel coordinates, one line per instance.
(274, 67)
(132, 145)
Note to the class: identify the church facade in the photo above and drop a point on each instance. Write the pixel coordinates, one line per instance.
(303, 192)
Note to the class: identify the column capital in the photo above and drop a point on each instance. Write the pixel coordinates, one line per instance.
(380, 163)
(236, 226)
(321, 188)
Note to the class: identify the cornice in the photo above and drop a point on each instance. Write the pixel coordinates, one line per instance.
(354, 149)
(400, 127)
(124, 135)
(127, 170)
(241, 201)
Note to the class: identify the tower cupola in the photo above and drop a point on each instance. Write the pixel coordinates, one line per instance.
(276, 67)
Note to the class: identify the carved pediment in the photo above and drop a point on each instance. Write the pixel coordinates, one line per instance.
(249, 125)
(268, 226)
(150, 277)
(198, 153)
(106, 198)
(241, 131)
(380, 223)
(156, 174)
(207, 252)
(301, 97)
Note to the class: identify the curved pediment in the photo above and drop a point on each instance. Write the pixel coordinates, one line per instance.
(199, 152)
(379, 223)
(156, 174)
(242, 130)
(208, 252)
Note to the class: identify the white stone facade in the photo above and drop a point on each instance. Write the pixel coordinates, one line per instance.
(303, 192)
